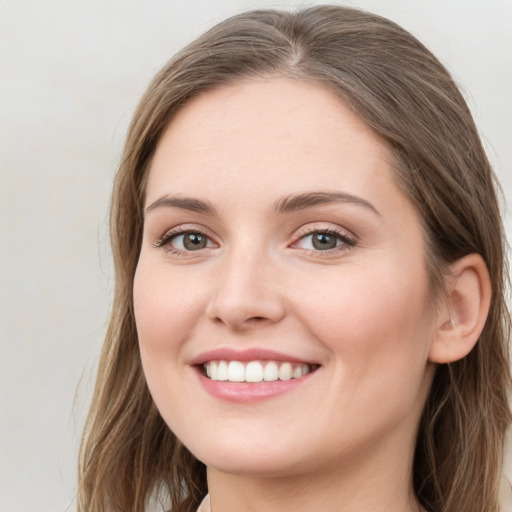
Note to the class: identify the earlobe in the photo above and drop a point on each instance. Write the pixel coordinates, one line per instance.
(462, 318)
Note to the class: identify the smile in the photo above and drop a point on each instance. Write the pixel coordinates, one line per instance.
(255, 371)
(251, 375)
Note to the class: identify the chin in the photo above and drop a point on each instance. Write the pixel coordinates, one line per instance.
(247, 458)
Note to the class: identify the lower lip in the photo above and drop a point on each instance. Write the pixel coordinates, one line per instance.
(248, 392)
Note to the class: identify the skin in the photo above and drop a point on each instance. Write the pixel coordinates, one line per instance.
(343, 439)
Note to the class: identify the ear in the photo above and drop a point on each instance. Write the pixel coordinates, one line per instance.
(462, 317)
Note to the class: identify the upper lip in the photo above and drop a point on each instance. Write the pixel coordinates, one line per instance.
(252, 354)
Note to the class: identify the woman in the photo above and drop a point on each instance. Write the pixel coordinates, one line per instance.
(309, 309)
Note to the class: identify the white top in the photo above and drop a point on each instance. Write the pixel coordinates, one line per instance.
(205, 505)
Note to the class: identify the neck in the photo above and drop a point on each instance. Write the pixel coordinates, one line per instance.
(382, 482)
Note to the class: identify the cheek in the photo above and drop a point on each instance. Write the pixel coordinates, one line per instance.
(378, 336)
(374, 322)
(166, 308)
(166, 311)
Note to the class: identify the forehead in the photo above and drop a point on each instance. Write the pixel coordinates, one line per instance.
(259, 133)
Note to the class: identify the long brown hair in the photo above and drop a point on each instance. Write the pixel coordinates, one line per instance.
(129, 457)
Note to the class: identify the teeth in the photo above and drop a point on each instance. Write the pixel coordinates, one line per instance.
(297, 372)
(222, 371)
(285, 371)
(236, 372)
(271, 372)
(255, 371)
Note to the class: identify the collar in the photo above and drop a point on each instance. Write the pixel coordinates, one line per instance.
(205, 505)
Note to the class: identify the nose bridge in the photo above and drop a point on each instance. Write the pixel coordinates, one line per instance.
(246, 293)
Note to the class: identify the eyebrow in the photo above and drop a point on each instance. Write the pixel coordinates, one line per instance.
(185, 203)
(286, 204)
(308, 200)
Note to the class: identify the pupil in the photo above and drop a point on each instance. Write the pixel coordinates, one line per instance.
(194, 241)
(324, 241)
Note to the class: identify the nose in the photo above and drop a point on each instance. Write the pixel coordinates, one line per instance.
(247, 292)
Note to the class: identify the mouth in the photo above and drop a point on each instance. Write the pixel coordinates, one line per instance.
(251, 375)
(255, 371)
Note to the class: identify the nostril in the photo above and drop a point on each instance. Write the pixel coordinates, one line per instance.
(251, 321)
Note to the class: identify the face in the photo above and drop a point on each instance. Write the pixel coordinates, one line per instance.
(281, 296)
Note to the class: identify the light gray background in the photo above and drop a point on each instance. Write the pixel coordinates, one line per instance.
(71, 73)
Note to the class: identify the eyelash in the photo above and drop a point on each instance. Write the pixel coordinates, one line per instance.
(167, 238)
(347, 242)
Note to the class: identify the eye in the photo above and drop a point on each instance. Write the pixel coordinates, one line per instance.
(189, 241)
(183, 241)
(324, 240)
